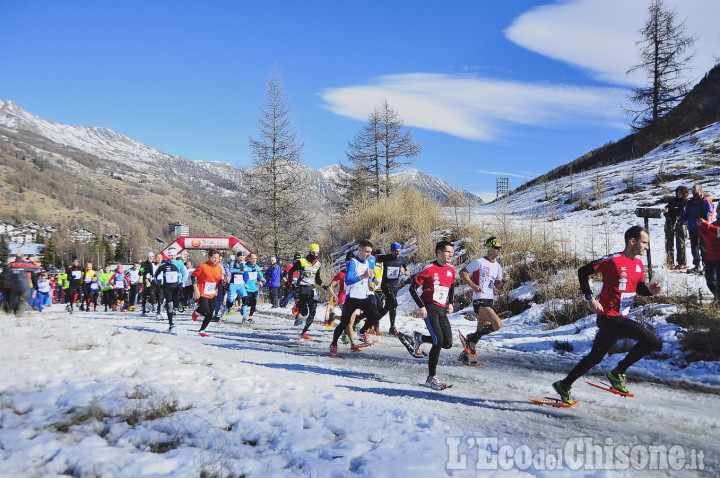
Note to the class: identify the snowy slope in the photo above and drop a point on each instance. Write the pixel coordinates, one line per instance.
(691, 159)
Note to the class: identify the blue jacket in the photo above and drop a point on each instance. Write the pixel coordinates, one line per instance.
(697, 208)
(272, 275)
(252, 275)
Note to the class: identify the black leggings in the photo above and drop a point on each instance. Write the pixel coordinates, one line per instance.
(371, 313)
(206, 308)
(172, 299)
(440, 334)
(306, 305)
(612, 328)
(250, 301)
(70, 293)
(350, 306)
(391, 303)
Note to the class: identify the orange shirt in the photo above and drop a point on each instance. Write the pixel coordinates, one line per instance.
(208, 276)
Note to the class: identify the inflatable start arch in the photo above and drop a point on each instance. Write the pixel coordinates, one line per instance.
(206, 243)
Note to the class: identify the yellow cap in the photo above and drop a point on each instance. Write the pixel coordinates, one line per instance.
(314, 247)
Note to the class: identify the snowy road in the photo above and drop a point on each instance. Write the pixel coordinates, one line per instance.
(259, 401)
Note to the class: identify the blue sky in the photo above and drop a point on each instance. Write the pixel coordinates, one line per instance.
(488, 88)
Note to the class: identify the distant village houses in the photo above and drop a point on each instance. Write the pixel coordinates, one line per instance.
(25, 233)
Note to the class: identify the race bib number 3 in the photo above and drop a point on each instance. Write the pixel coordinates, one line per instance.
(440, 294)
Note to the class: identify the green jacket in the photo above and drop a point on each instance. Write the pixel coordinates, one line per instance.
(63, 280)
(104, 278)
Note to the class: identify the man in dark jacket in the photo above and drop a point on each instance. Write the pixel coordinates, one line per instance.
(20, 275)
(675, 230)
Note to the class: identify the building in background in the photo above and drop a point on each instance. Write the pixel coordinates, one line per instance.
(177, 229)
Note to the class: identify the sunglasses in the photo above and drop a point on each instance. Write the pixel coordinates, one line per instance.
(497, 247)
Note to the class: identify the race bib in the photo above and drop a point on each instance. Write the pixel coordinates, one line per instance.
(626, 301)
(76, 274)
(252, 275)
(440, 294)
(238, 279)
(392, 272)
(171, 277)
(94, 286)
(119, 283)
(209, 288)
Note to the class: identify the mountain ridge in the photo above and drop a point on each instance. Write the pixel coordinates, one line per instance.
(81, 171)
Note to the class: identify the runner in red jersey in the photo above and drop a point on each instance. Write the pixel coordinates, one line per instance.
(437, 282)
(623, 277)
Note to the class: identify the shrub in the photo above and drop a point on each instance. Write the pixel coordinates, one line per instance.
(405, 216)
(700, 339)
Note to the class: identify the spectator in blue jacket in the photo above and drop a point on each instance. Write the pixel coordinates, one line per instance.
(699, 208)
(272, 281)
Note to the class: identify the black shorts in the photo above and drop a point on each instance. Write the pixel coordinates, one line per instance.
(477, 303)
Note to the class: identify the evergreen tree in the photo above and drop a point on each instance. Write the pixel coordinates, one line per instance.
(50, 258)
(664, 54)
(277, 183)
(4, 249)
(123, 253)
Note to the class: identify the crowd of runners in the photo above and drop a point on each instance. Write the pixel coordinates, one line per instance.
(362, 292)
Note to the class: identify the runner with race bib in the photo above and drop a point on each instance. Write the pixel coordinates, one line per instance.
(623, 277)
(435, 302)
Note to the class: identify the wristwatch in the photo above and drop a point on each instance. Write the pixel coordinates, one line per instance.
(588, 296)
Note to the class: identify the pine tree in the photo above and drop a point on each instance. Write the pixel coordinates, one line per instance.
(50, 253)
(277, 183)
(4, 249)
(383, 146)
(663, 57)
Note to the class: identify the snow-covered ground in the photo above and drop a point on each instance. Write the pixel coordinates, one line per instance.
(110, 394)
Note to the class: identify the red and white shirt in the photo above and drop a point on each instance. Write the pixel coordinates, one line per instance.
(621, 276)
(436, 282)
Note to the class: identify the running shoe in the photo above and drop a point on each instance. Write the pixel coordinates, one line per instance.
(617, 380)
(563, 392)
(435, 384)
(417, 339)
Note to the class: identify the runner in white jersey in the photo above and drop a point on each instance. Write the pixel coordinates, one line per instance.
(484, 275)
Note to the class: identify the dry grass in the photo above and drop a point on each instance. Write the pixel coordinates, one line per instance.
(702, 324)
(407, 215)
(76, 346)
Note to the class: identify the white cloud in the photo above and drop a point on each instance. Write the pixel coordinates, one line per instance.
(478, 108)
(600, 36)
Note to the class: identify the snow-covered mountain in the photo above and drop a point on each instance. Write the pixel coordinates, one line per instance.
(135, 161)
(426, 184)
